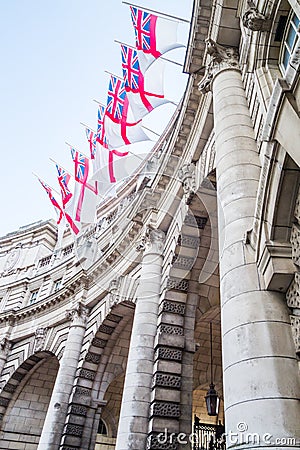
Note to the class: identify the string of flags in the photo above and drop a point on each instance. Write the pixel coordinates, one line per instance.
(119, 122)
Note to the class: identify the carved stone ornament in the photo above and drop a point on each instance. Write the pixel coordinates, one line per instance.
(254, 20)
(153, 241)
(5, 346)
(13, 258)
(187, 175)
(40, 338)
(222, 58)
(78, 315)
(114, 287)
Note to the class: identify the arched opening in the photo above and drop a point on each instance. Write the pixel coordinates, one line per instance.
(24, 418)
(106, 436)
(102, 429)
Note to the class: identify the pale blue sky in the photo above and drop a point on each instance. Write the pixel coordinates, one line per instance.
(53, 57)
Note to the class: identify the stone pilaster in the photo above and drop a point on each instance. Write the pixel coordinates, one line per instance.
(134, 416)
(57, 410)
(259, 365)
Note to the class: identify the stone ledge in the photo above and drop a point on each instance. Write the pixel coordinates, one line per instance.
(276, 266)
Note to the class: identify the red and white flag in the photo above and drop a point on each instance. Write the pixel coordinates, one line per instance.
(154, 35)
(85, 198)
(145, 91)
(57, 207)
(120, 126)
(64, 179)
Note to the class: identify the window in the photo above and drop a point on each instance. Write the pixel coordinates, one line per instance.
(68, 250)
(102, 428)
(33, 297)
(57, 285)
(45, 261)
(292, 35)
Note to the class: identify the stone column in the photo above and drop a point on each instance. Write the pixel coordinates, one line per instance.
(57, 410)
(134, 416)
(261, 381)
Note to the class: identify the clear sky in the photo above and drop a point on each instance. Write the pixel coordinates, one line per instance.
(54, 54)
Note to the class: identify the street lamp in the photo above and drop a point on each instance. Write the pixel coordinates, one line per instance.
(212, 399)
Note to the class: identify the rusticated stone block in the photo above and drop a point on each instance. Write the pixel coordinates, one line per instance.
(87, 374)
(4, 401)
(293, 294)
(74, 430)
(93, 358)
(18, 376)
(171, 329)
(101, 343)
(178, 284)
(9, 388)
(168, 353)
(106, 329)
(165, 409)
(167, 380)
(162, 441)
(173, 307)
(78, 410)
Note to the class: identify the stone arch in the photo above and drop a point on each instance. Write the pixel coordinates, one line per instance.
(25, 399)
(94, 378)
(113, 398)
(202, 365)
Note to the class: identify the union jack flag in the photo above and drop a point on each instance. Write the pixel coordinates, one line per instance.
(144, 25)
(91, 137)
(53, 200)
(131, 68)
(81, 166)
(63, 180)
(100, 126)
(115, 99)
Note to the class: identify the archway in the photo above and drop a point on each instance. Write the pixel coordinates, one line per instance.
(24, 417)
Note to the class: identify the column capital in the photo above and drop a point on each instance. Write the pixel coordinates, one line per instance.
(222, 58)
(152, 241)
(78, 315)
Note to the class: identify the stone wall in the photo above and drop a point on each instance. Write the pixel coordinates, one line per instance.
(24, 419)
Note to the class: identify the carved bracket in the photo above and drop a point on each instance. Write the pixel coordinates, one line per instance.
(39, 339)
(187, 175)
(255, 21)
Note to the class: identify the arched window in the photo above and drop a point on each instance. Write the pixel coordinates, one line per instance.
(102, 428)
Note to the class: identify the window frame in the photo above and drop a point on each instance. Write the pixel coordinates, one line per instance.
(285, 48)
(57, 285)
(31, 293)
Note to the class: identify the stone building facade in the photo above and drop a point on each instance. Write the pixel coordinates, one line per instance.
(105, 343)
